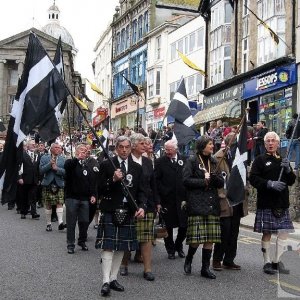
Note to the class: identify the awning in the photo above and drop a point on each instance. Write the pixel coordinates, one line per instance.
(228, 109)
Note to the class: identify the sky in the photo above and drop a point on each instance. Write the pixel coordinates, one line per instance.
(85, 20)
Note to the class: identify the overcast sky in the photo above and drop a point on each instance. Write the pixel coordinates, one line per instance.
(85, 20)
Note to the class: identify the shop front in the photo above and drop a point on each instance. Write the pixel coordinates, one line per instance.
(272, 96)
(155, 117)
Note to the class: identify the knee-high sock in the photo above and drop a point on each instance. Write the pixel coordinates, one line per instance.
(265, 248)
(280, 248)
(107, 258)
(59, 212)
(48, 213)
(116, 263)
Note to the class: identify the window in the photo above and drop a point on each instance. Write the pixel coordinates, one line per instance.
(138, 68)
(173, 88)
(200, 37)
(245, 9)
(173, 51)
(123, 39)
(134, 31)
(140, 27)
(146, 22)
(151, 83)
(120, 85)
(228, 13)
(13, 77)
(158, 47)
(191, 86)
(157, 82)
(127, 37)
(192, 40)
(118, 43)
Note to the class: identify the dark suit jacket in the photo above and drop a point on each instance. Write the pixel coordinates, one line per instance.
(170, 187)
(30, 173)
(112, 192)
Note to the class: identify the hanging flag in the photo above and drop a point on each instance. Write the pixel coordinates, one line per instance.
(273, 35)
(190, 64)
(134, 87)
(184, 124)
(104, 138)
(40, 89)
(237, 181)
(82, 104)
(95, 88)
(49, 130)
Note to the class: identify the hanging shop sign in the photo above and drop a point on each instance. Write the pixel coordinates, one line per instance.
(101, 115)
(159, 112)
(277, 78)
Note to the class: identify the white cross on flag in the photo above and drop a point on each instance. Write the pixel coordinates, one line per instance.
(237, 180)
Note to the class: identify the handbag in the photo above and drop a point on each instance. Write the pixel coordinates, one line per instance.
(120, 217)
(160, 229)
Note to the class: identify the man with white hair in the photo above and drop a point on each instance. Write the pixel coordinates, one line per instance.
(272, 214)
(168, 175)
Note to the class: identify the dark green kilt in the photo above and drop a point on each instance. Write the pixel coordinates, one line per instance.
(203, 229)
(145, 228)
(50, 199)
(111, 237)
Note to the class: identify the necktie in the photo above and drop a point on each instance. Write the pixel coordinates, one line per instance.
(32, 156)
(123, 167)
(173, 160)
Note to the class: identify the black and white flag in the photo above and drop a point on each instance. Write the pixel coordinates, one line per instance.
(184, 127)
(238, 175)
(40, 89)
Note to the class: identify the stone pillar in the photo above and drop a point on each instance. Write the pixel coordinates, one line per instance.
(20, 67)
(2, 100)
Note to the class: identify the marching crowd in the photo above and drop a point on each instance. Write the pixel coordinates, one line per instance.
(125, 189)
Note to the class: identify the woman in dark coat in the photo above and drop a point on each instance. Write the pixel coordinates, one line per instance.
(203, 206)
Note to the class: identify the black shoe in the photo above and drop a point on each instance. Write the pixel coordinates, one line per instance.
(71, 251)
(35, 216)
(187, 266)
(171, 256)
(149, 276)
(205, 272)
(83, 246)
(268, 269)
(123, 271)
(280, 268)
(10, 207)
(116, 286)
(181, 254)
(23, 216)
(49, 228)
(18, 211)
(53, 219)
(61, 226)
(105, 290)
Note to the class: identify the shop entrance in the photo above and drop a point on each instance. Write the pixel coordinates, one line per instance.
(253, 112)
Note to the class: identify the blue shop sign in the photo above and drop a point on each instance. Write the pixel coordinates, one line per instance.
(269, 81)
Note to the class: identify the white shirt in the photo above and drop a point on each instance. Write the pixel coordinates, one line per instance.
(126, 162)
(137, 159)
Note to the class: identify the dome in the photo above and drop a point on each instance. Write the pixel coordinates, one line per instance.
(54, 29)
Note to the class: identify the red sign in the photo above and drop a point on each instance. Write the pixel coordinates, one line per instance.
(102, 114)
(159, 112)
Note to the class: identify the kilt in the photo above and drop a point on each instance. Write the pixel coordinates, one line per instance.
(111, 237)
(145, 228)
(202, 229)
(265, 221)
(50, 199)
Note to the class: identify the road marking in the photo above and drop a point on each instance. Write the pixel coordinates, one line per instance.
(285, 284)
(244, 239)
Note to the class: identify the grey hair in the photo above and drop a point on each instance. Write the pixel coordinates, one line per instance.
(272, 133)
(172, 143)
(136, 138)
(121, 139)
(53, 144)
(148, 140)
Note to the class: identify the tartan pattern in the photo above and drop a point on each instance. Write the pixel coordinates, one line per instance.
(265, 221)
(202, 229)
(111, 237)
(49, 199)
(145, 228)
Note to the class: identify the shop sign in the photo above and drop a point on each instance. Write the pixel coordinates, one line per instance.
(159, 112)
(234, 92)
(121, 109)
(101, 115)
(271, 80)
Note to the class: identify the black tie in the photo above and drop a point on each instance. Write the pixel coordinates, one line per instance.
(123, 168)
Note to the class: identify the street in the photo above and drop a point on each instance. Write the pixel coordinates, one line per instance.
(35, 265)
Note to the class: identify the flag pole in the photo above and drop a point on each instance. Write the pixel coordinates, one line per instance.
(289, 146)
(230, 142)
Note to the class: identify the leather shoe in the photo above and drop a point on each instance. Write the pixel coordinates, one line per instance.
(116, 286)
(181, 254)
(217, 265)
(61, 226)
(187, 266)
(71, 251)
(232, 266)
(149, 276)
(83, 246)
(105, 290)
(23, 216)
(35, 216)
(123, 271)
(171, 256)
(205, 272)
(268, 269)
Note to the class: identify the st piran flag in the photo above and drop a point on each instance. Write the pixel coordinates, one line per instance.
(40, 89)
(237, 180)
(184, 126)
(49, 130)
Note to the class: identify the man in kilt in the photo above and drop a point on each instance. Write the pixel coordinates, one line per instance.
(272, 214)
(112, 237)
(52, 171)
(145, 226)
(203, 204)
